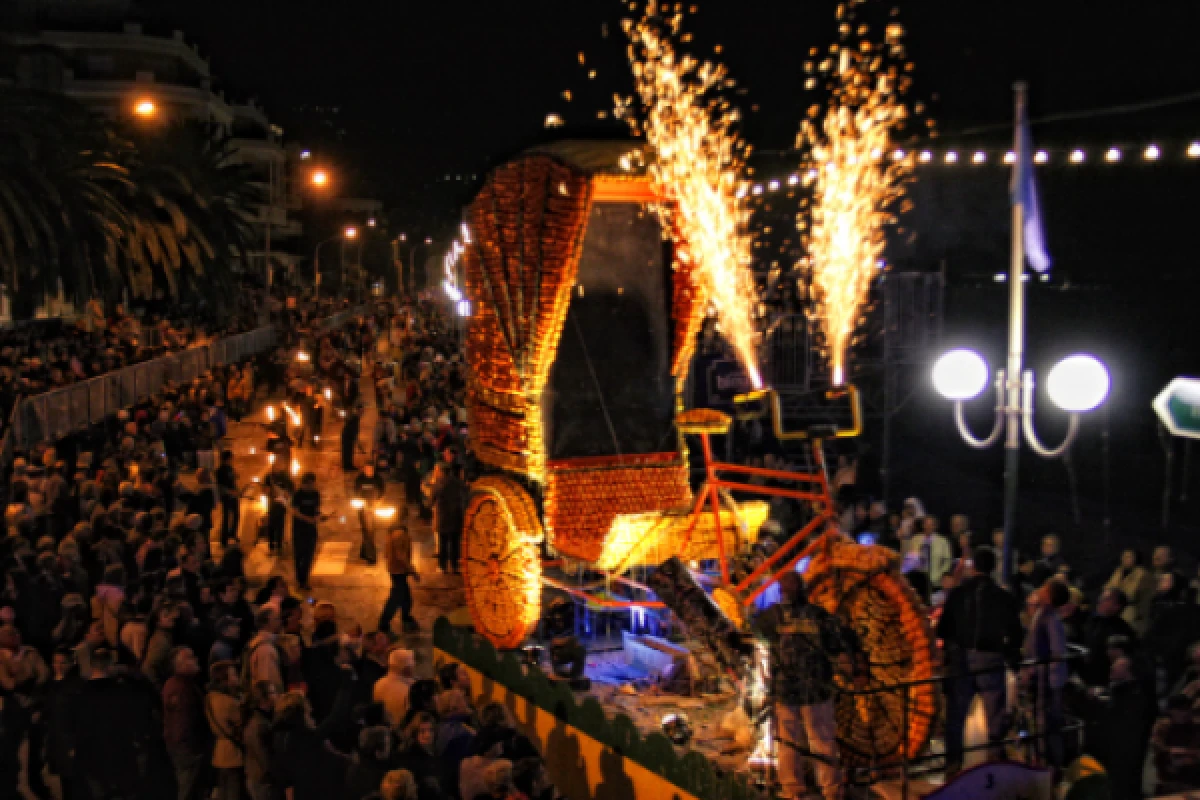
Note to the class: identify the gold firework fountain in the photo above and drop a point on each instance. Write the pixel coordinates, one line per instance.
(856, 171)
(696, 167)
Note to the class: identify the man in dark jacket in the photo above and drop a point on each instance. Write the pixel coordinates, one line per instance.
(1119, 735)
(980, 628)
(1104, 623)
(803, 639)
(350, 437)
(108, 764)
(304, 767)
(451, 508)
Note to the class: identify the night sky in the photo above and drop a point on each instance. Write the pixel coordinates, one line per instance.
(426, 89)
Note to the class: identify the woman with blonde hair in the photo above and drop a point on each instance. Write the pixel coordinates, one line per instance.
(398, 784)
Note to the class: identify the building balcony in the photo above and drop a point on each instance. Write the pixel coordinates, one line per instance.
(131, 40)
(116, 98)
(257, 151)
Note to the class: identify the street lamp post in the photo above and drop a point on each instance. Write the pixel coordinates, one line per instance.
(348, 233)
(1077, 384)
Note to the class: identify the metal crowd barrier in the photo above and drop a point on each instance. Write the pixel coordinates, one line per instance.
(73, 408)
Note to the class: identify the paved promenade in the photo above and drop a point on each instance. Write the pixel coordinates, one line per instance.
(338, 576)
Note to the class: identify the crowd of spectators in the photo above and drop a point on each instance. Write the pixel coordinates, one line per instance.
(136, 661)
(42, 355)
(1117, 659)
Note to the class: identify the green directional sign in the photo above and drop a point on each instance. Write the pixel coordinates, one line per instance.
(1178, 406)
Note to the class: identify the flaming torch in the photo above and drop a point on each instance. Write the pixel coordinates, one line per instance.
(698, 157)
(857, 175)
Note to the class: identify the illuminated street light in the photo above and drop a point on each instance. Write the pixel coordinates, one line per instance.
(370, 222)
(1152, 153)
(1077, 156)
(351, 232)
(1078, 384)
(305, 155)
(1193, 150)
(145, 108)
(320, 178)
(960, 374)
(1113, 155)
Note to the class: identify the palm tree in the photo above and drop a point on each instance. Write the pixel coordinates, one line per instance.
(62, 182)
(193, 211)
(82, 203)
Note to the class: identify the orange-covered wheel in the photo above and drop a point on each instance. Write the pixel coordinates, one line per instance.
(502, 568)
(863, 586)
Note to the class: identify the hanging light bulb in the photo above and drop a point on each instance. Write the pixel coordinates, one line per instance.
(1152, 153)
(1077, 156)
(1113, 155)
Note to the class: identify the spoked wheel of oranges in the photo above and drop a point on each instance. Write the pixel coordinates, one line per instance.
(502, 568)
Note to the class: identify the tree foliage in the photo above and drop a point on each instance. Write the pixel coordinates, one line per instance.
(103, 209)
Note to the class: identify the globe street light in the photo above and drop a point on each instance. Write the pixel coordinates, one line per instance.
(319, 178)
(1077, 384)
(960, 374)
(145, 108)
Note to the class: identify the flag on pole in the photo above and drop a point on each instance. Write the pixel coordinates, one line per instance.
(1024, 191)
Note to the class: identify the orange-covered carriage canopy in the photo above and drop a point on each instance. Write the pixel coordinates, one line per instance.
(527, 230)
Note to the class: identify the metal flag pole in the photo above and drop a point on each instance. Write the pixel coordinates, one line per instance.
(1016, 340)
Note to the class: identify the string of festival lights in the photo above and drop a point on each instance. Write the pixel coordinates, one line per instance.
(1112, 155)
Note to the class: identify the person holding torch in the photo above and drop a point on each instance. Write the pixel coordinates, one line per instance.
(368, 491)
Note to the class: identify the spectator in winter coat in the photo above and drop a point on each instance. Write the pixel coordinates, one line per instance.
(265, 662)
(257, 741)
(184, 725)
(224, 714)
(392, 689)
(455, 736)
(303, 765)
(1132, 578)
(372, 761)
